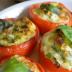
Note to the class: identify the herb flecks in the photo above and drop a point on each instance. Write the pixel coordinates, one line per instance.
(4, 25)
(50, 7)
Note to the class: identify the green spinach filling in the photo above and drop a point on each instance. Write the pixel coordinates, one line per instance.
(57, 46)
(53, 12)
(16, 32)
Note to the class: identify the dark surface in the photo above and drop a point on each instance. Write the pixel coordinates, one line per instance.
(6, 3)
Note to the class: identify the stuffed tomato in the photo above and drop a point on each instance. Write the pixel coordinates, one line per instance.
(17, 37)
(20, 64)
(49, 15)
(56, 50)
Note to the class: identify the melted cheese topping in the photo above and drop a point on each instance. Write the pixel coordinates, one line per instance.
(57, 48)
(17, 32)
(53, 12)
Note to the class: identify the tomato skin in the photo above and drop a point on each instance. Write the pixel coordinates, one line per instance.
(44, 25)
(38, 65)
(48, 64)
(21, 49)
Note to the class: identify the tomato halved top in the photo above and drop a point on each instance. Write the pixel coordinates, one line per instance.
(49, 15)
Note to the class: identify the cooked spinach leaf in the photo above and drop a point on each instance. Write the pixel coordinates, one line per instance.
(13, 65)
(50, 7)
(67, 31)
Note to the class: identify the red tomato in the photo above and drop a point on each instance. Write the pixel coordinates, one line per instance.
(45, 25)
(48, 64)
(21, 49)
(38, 65)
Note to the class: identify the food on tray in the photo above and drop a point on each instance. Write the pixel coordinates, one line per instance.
(20, 64)
(17, 36)
(49, 15)
(56, 49)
